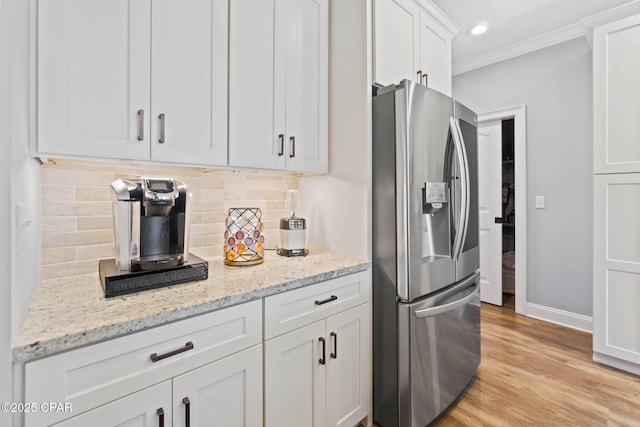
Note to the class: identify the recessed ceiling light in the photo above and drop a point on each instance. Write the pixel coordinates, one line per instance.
(478, 29)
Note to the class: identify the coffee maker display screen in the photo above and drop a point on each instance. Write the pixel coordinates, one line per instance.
(160, 186)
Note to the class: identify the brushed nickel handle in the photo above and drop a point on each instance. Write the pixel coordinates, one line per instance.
(323, 359)
(161, 124)
(419, 73)
(425, 76)
(292, 140)
(324, 301)
(160, 413)
(187, 411)
(140, 125)
(281, 138)
(155, 356)
(334, 355)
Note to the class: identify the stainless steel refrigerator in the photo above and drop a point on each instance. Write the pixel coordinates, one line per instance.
(426, 296)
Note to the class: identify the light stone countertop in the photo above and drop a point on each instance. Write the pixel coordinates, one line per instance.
(70, 312)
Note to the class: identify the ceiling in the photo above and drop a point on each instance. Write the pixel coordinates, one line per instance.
(518, 26)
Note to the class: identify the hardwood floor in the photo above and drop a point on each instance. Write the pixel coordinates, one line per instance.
(535, 373)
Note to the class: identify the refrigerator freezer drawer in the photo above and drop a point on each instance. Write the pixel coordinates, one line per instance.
(442, 336)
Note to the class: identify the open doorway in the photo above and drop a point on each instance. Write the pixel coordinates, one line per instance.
(503, 206)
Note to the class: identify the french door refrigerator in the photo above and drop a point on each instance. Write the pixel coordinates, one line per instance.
(426, 297)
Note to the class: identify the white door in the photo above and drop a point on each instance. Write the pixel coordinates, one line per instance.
(490, 207)
(147, 408)
(295, 379)
(189, 81)
(349, 352)
(93, 78)
(223, 393)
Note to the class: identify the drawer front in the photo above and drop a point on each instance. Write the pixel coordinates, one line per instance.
(100, 373)
(294, 309)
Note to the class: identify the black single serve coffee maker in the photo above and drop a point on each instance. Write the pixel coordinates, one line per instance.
(151, 223)
(151, 231)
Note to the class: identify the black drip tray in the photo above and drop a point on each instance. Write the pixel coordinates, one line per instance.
(116, 283)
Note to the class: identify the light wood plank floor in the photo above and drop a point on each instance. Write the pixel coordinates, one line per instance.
(534, 373)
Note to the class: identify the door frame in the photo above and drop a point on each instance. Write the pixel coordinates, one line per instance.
(519, 114)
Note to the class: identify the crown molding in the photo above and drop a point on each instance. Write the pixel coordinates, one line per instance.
(440, 16)
(542, 41)
(607, 16)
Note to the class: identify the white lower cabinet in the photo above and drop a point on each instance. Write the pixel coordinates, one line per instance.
(204, 368)
(616, 271)
(310, 367)
(146, 408)
(319, 374)
(224, 393)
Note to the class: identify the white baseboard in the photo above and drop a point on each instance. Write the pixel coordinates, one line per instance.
(616, 363)
(560, 317)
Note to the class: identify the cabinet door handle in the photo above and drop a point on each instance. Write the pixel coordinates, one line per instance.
(160, 413)
(419, 73)
(161, 124)
(425, 76)
(155, 356)
(140, 125)
(324, 301)
(292, 140)
(281, 138)
(334, 355)
(187, 411)
(324, 349)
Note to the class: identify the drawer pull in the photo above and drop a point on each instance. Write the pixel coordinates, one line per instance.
(334, 355)
(281, 138)
(155, 357)
(293, 146)
(140, 125)
(331, 298)
(160, 413)
(161, 124)
(187, 411)
(323, 359)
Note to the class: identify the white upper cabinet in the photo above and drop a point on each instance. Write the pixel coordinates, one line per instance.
(93, 77)
(412, 42)
(118, 80)
(189, 81)
(278, 85)
(616, 96)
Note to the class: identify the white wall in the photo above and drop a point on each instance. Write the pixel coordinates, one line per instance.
(25, 172)
(556, 85)
(5, 244)
(336, 205)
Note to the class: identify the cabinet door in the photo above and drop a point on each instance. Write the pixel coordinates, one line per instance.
(189, 81)
(253, 142)
(93, 78)
(295, 378)
(150, 407)
(396, 41)
(224, 393)
(348, 367)
(616, 96)
(435, 54)
(616, 274)
(301, 82)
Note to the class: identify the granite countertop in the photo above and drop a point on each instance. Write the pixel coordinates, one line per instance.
(72, 311)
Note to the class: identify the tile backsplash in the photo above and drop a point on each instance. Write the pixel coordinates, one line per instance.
(77, 220)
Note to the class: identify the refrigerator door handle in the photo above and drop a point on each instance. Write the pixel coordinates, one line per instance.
(470, 293)
(466, 184)
(464, 202)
